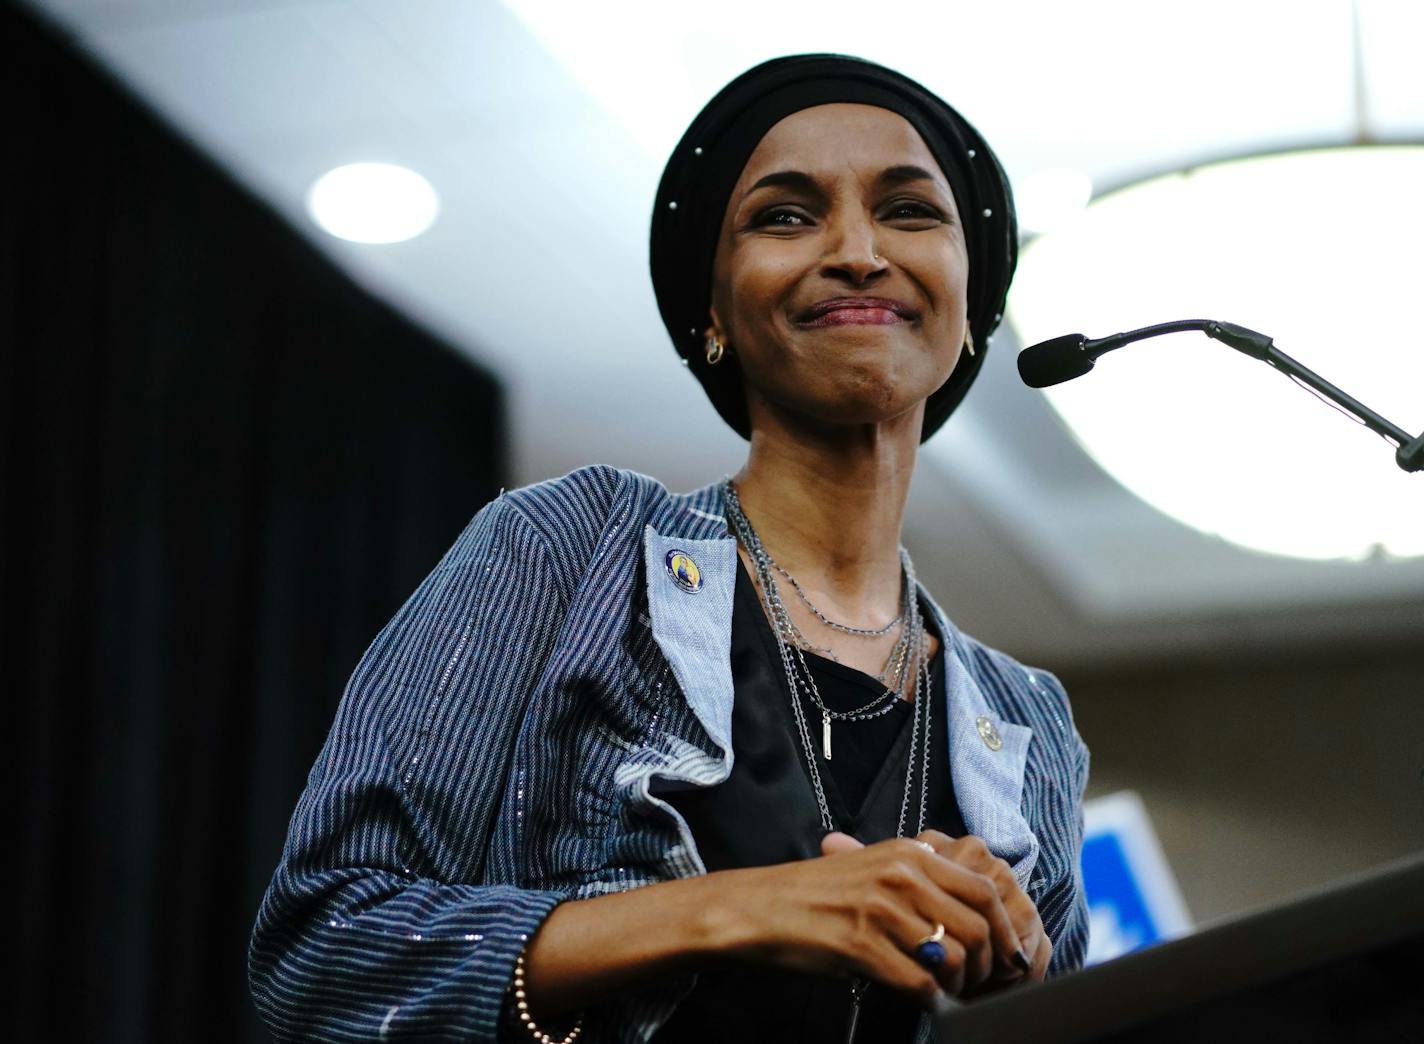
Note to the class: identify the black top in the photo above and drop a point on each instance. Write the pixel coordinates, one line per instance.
(766, 813)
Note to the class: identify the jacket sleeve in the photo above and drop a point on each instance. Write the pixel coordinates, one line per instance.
(1063, 906)
(367, 930)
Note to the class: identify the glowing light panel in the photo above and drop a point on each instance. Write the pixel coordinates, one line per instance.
(1320, 249)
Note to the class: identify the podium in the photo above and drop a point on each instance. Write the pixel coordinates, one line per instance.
(1345, 964)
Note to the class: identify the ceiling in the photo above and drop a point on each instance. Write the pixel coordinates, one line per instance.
(542, 127)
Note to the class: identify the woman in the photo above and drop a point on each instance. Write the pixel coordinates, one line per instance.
(633, 764)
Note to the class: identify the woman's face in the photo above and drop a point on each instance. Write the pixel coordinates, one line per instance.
(840, 275)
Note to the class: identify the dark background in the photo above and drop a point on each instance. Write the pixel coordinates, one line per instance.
(222, 468)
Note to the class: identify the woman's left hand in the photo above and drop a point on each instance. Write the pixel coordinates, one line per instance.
(972, 853)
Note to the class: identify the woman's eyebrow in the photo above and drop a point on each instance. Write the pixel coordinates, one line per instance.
(906, 173)
(901, 174)
(794, 179)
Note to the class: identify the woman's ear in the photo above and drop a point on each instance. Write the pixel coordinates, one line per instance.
(715, 341)
(715, 328)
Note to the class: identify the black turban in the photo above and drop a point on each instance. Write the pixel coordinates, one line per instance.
(703, 169)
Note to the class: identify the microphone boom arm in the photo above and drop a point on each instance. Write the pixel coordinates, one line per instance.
(1409, 454)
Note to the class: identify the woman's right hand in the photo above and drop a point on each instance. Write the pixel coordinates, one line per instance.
(861, 910)
(855, 911)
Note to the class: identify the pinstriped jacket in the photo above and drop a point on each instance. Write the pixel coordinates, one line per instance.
(500, 748)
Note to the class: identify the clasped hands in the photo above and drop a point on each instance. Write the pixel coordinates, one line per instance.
(856, 911)
(861, 909)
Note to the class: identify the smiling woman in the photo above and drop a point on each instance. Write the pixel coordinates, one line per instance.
(881, 237)
(693, 767)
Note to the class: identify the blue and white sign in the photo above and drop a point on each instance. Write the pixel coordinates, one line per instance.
(1133, 899)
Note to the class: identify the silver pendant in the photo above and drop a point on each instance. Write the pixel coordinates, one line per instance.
(826, 734)
(857, 991)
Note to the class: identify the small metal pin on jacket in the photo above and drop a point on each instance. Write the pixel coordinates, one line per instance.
(684, 571)
(988, 733)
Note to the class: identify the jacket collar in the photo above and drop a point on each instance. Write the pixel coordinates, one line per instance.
(694, 631)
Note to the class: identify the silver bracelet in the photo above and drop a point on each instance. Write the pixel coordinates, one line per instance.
(521, 1005)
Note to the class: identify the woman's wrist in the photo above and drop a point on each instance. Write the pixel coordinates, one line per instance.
(523, 1016)
(588, 949)
(725, 924)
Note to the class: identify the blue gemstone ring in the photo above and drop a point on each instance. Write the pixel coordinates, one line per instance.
(929, 951)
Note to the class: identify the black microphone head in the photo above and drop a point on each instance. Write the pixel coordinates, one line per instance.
(1055, 361)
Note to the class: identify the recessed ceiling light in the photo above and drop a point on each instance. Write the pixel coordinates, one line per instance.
(373, 203)
(1319, 249)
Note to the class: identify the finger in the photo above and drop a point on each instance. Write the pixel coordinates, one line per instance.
(1028, 926)
(963, 966)
(909, 905)
(980, 895)
(1043, 954)
(922, 906)
(838, 842)
(895, 967)
(936, 839)
(970, 933)
(971, 851)
(1031, 932)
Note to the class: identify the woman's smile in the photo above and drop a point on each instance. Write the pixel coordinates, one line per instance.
(857, 311)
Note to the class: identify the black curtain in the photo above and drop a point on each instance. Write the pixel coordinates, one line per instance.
(223, 466)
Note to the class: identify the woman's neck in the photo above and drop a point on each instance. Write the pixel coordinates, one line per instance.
(830, 510)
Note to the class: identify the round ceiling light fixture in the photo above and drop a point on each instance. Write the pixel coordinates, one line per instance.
(1321, 249)
(373, 203)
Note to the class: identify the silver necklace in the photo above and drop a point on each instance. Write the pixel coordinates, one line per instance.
(859, 632)
(802, 681)
(895, 665)
(895, 662)
(806, 682)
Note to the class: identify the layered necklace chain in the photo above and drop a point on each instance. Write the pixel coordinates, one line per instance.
(906, 671)
(861, 632)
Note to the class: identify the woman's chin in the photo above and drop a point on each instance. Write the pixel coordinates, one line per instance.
(859, 409)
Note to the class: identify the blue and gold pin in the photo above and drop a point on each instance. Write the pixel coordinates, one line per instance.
(684, 571)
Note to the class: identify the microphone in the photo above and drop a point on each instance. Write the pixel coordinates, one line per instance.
(1072, 355)
(1053, 362)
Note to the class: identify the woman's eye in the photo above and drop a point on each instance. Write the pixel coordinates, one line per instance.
(913, 209)
(781, 217)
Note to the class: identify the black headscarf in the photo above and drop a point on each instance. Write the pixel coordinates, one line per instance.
(703, 169)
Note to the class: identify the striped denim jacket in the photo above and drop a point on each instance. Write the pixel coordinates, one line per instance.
(496, 749)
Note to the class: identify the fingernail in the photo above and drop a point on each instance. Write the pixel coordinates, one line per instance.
(1021, 959)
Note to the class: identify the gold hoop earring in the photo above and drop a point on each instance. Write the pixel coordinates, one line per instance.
(969, 340)
(715, 351)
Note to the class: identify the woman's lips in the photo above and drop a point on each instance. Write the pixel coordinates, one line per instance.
(855, 315)
(856, 311)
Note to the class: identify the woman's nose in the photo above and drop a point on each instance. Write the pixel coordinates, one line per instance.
(851, 252)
